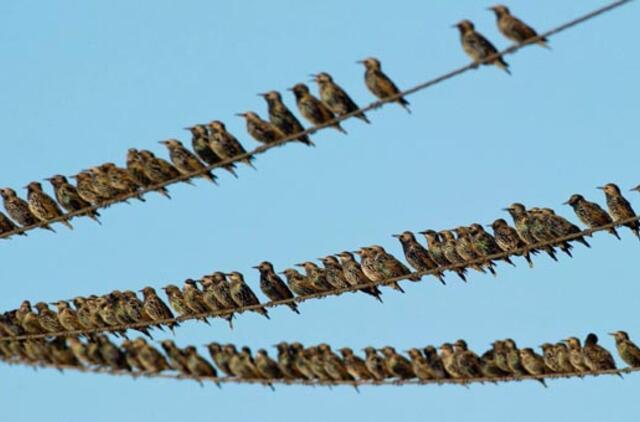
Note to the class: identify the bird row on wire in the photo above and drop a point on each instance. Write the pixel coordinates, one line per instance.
(294, 362)
(223, 294)
(212, 143)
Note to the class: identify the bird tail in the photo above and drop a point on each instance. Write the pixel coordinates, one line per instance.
(47, 227)
(211, 177)
(396, 286)
(543, 43)
(405, 104)
(307, 141)
(341, 129)
(364, 118)
(66, 223)
(502, 65)
(583, 241)
(294, 308)
(230, 168)
(614, 232)
(164, 192)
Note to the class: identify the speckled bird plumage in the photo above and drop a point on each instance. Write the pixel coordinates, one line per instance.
(335, 98)
(478, 47)
(283, 118)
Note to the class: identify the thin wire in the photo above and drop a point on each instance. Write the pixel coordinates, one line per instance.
(372, 106)
(322, 383)
(335, 292)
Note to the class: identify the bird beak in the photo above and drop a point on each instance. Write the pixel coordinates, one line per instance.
(262, 94)
(395, 235)
(506, 209)
(299, 265)
(612, 334)
(565, 203)
(290, 89)
(636, 189)
(162, 142)
(280, 272)
(241, 114)
(257, 267)
(455, 25)
(600, 187)
(488, 225)
(188, 128)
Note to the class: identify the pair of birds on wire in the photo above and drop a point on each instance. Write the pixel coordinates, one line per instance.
(295, 362)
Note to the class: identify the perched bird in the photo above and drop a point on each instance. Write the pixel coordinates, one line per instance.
(87, 190)
(596, 357)
(200, 145)
(628, 351)
(551, 358)
(436, 250)
(210, 298)
(298, 283)
(563, 355)
(333, 272)
(562, 227)
(103, 185)
(478, 47)
(532, 362)
(524, 225)
(220, 289)
(6, 225)
(267, 367)
(158, 170)
(576, 355)
(376, 365)
(18, 208)
(436, 367)
(176, 299)
(68, 196)
(177, 357)
(312, 109)
(508, 240)
(419, 364)
(452, 248)
(134, 308)
(590, 213)
(301, 363)
(353, 274)
(379, 84)
(315, 277)
(120, 179)
(355, 365)
(485, 244)
(261, 130)
(28, 319)
(513, 358)
(316, 363)
(242, 365)
(225, 145)
(67, 317)
(193, 299)
(273, 287)
(151, 359)
(283, 118)
(136, 170)
(112, 354)
(197, 365)
(389, 265)
(286, 362)
(417, 255)
(155, 308)
(489, 365)
(185, 161)
(48, 319)
(220, 357)
(515, 29)
(335, 98)
(449, 361)
(468, 363)
(333, 364)
(619, 208)
(42, 206)
(242, 294)
(373, 267)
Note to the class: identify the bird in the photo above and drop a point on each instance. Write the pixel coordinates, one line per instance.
(514, 362)
(590, 213)
(379, 84)
(185, 161)
(200, 145)
(563, 355)
(218, 286)
(87, 190)
(596, 357)
(297, 282)
(136, 170)
(419, 364)
(177, 358)
(273, 287)
(515, 29)
(576, 355)
(619, 208)
(69, 198)
(158, 170)
(315, 360)
(468, 363)
(67, 317)
(478, 47)
(283, 118)
(417, 255)
(335, 98)
(242, 294)
(225, 145)
(355, 365)
(176, 299)
(436, 250)
(120, 179)
(42, 206)
(6, 225)
(300, 363)
(533, 363)
(628, 351)
(47, 318)
(151, 359)
(193, 299)
(485, 244)
(463, 246)
(489, 366)
(562, 227)
(524, 225)
(286, 362)
(267, 367)
(199, 366)
(103, 185)
(373, 267)
(112, 354)
(334, 273)
(315, 277)
(18, 209)
(353, 274)
(220, 357)
(261, 130)
(449, 361)
(551, 358)
(333, 364)
(376, 365)
(155, 308)
(312, 109)
(508, 240)
(436, 367)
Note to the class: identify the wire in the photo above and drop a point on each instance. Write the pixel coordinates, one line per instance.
(322, 383)
(372, 106)
(335, 292)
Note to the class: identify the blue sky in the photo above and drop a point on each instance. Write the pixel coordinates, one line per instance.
(83, 81)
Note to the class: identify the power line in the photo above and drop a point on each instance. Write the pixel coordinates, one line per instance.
(335, 292)
(372, 106)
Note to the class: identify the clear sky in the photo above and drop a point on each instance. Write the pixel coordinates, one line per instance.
(83, 81)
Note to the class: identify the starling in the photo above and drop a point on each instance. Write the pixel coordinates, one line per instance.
(151, 359)
(120, 179)
(88, 313)
(155, 308)
(6, 225)
(596, 357)
(194, 300)
(185, 161)
(524, 226)
(355, 365)
(197, 365)
(334, 273)
(485, 244)
(87, 190)
(301, 363)
(436, 367)
(628, 351)
(103, 185)
(131, 355)
(243, 295)
(176, 299)
(373, 267)
(111, 354)
(283, 118)
(551, 358)
(68, 196)
(389, 265)
(564, 358)
(106, 309)
(267, 367)
(47, 318)
(417, 255)
(563, 227)
(316, 363)
(18, 208)
(489, 365)
(468, 363)
(379, 83)
(225, 145)
(576, 355)
(335, 98)
(315, 277)
(220, 357)
(512, 354)
(451, 251)
(376, 365)
(201, 146)
(619, 208)
(158, 170)
(333, 364)
(241, 364)
(590, 213)
(314, 110)
(464, 248)
(28, 319)
(79, 350)
(286, 362)
(508, 240)
(177, 358)
(397, 365)
(273, 287)
(419, 364)
(478, 47)
(136, 170)
(436, 249)
(513, 28)
(261, 130)
(210, 298)
(353, 274)
(61, 354)
(219, 288)
(298, 283)
(133, 307)
(533, 363)
(42, 206)
(449, 361)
